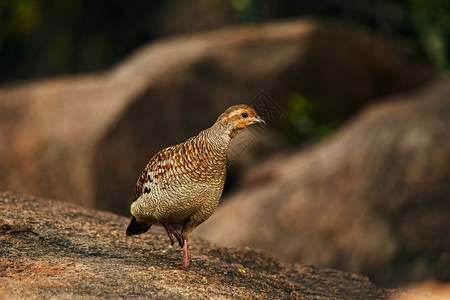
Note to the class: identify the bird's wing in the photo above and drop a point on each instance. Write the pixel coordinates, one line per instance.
(163, 166)
(139, 187)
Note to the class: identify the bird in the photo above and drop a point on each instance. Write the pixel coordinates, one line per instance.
(182, 184)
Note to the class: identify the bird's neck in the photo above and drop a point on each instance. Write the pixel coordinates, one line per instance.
(218, 138)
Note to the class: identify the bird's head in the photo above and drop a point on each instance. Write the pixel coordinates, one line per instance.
(238, 117)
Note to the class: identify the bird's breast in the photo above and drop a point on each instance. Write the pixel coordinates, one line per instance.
(180, 181)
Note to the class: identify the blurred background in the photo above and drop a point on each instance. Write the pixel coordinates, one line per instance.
(47, 38)
(352, 171)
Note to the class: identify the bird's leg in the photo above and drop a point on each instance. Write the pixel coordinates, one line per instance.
(177, 235)
(188, 227)
(185, 264)
(171, 232)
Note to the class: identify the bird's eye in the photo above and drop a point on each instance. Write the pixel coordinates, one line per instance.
(244, 115)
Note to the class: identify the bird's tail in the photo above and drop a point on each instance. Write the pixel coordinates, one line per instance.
(137, 228)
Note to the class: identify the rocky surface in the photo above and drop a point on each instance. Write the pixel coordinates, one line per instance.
(85, 139)
(373, 199)
(52, 249)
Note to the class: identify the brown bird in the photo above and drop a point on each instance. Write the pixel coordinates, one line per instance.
(182, 184)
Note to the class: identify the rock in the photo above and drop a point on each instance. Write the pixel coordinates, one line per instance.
(58, 250)
(86, 139)
(429, 290)
(387, 16)
(373, 199)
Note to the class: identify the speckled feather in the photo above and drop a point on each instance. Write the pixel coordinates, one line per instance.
(181, 180)
(182, 184)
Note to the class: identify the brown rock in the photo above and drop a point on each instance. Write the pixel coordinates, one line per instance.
(176, 17)
(429, 290)
(86, 139)
(374, 198)
(57, 250)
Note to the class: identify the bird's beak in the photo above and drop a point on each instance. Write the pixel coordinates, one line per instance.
(258, 119)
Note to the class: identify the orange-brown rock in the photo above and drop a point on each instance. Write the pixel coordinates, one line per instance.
(374, 198)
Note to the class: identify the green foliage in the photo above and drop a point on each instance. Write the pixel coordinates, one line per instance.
(431, 20)
(300, 121)
(23, 17)
(246, 9)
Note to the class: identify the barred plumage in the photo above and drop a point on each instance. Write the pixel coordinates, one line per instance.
(182, 184)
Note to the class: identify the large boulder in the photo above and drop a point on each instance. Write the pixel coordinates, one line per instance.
(58, 250)
(85, 139)
(374, 198)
